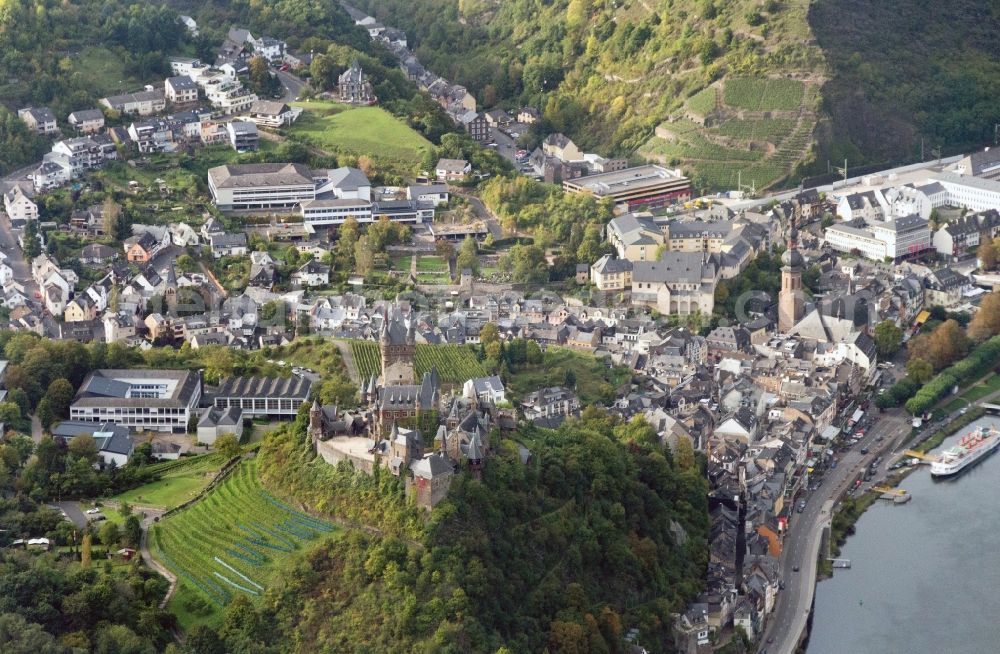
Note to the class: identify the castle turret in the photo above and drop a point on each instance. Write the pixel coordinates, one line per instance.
(315, 421)
(475, 454)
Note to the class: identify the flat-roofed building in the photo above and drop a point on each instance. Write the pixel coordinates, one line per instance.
(274, 397)
(237, 187)
(140, 399)
(649, 186)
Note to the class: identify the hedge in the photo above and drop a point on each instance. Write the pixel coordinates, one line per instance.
(978, 363)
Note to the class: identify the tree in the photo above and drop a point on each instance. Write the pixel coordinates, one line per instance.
(946, 344)
(347, 238)
(888, 338)
(228, 445)
(920, 370)
(364, 257)
(9, 412)
(987, 255)
(338, 390)
(260, 76)
(111, 217)
(109, 534)
(60, 394)
(131, 531)
(444, 249)
(468, 256)
(84, 447)
(85, 551)
(986, 322)
(44, 413)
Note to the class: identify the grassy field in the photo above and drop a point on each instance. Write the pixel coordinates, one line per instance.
(595, 380)
(104, 70)
(455, 363)
(974, 393)
(180, 481)
(228, 544)
(369, 131)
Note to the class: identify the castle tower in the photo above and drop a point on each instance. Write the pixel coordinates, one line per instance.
(397, 343)
(476, 455)
(790, 305)
(315, 421)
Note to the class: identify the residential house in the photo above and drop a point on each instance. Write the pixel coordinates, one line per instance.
(142, 247)
(485, 389)
(50, 175)
(611, 274)
(142, 103)
(272, 114)
(636, 237)
(87, 121)
(451, 170)
(215, 422)
(478, 127)
(436, 194)
(228, 245)
(944, 287)
(354, 87)
(18, 203)
(180, 90)
(528, 115)
(311, 273)
(40, 120)
(550, 406)
(242, 136)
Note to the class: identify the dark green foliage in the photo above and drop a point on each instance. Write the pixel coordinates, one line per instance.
(578, 544)
(910, 71)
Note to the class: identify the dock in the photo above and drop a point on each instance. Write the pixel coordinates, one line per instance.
(840, 563)
(894, 495)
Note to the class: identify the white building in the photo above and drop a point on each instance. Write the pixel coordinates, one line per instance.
(180, 89)
(18, 204)
(261, 186)
(142, 103)
(142, 400)
(485, 389)
(892, 239)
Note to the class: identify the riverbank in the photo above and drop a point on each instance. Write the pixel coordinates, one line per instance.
(934, 551)
(851, 509)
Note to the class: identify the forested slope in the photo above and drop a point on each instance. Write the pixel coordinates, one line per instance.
(602, 531)
(692, 82)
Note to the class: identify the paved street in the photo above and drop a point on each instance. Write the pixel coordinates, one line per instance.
(292, 85)
(800, 548)
(73, 511)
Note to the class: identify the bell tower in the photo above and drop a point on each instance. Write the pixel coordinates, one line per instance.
(790, 304)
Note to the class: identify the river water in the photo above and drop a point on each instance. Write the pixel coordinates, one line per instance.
(925, 576)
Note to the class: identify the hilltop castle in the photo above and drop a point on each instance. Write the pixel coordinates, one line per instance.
(398, 417)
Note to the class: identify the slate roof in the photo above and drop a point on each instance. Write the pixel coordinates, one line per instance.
(102, 388)
(268, 174)
(290, 387)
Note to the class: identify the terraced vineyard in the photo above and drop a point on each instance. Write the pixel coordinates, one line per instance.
(455, 363)
(764, 94)
(227, 543)
(367, 358)
(755, 135)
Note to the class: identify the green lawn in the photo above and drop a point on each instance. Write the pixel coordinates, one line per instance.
(431, 264)
(369, 131)
(595, 381)
(104, 70)
(230, 543)
(974, 393)
(180, 481)
(402, 263)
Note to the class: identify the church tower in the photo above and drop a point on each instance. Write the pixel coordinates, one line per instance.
(790, 305)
